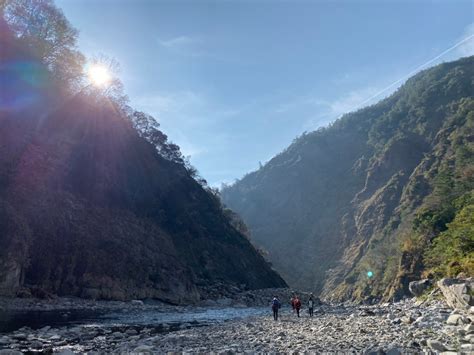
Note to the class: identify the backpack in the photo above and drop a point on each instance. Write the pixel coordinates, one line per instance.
(275, 303)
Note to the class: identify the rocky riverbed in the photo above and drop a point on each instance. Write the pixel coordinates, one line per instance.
(393, 328)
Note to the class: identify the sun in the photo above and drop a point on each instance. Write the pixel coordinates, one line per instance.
(99, 75)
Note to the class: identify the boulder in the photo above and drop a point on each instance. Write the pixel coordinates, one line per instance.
(143, 349)
(36, 344)
(209, 303)
(469, 328)
(10, 352)
(468, 348)
(224, 301)
(418, 287)
(435, 345)
(131, 332)
(66, 352)
(407, 319)
(19, 336)
(456, 319)
(457, 292)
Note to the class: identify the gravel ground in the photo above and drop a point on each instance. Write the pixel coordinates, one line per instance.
(403, 327)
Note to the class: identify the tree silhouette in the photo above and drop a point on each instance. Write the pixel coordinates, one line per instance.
(42, 27)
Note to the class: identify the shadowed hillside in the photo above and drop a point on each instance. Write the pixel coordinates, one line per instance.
(89, 207)
(375, 191)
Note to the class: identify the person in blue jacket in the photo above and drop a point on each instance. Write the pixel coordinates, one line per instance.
(275, 307)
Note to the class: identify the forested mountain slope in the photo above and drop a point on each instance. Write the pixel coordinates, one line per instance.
(88, 206)
(378, 198)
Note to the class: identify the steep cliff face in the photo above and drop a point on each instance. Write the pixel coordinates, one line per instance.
(337, 209)
(89, 208)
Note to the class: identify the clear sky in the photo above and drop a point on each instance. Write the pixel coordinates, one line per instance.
(234, 82)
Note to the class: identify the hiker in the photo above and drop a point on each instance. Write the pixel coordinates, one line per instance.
(275, 307)
(297, 305)
(292, 302)
(310, 305)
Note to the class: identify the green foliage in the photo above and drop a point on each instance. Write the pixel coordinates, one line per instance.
(446, 217)
(452, 251)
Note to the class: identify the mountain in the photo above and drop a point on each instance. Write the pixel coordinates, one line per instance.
(380, 197)
(90, 208)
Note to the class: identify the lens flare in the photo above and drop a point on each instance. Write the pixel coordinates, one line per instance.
(370, 274)
(99, 75)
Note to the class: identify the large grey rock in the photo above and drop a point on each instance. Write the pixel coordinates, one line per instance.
(457, 292)
(436, 345)
(468, 348)
(36, 344)
(66, 352)
(19, 336)
(455, 319)
(143, 349)
(407, 319)
(418, 287)
(10, 352)
(209, 303)
(224, 301)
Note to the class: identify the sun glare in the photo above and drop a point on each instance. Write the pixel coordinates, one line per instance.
(99, 75)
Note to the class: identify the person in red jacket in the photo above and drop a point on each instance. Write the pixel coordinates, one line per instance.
(297, 305)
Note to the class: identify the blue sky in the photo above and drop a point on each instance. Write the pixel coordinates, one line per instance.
(234, 82)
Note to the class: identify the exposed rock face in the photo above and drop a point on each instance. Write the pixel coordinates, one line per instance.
(89, 208)
(457, 292)
(10, 279)
(338, 204)
(418, 287)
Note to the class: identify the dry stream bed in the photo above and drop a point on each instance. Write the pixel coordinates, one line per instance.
(79, 326)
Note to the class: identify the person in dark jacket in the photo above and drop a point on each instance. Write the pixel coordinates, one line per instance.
(297, 305)
(275, 307)
(310, 305)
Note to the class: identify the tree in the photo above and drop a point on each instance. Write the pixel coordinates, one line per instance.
(149, 128)
(112, 88)
(453, 250)
(42, 27)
